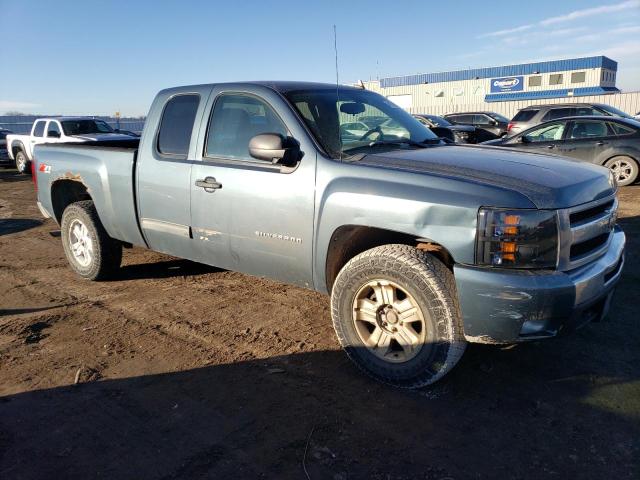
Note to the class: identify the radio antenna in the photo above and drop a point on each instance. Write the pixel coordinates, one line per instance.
(335, 49)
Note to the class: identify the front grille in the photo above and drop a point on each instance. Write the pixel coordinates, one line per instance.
(585, 232)
(590, 213)
(583, 248)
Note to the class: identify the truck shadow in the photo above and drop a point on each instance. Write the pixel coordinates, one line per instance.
(163, 269)
(532, 414)
(12, 175)
(15, 225)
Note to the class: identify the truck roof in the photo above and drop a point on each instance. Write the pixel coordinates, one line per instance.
(282, 86)
(65, 117)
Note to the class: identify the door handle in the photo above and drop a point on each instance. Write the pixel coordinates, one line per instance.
(209, 184)
(551, 146)
(600, 143)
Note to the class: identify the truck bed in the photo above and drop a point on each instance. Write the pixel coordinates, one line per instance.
(106, 169)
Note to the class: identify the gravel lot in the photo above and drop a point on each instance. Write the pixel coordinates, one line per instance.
(186, 371)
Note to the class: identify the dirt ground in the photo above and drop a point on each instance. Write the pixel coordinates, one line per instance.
(185, 371)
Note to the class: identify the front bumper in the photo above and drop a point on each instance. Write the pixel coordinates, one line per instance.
(506, 306)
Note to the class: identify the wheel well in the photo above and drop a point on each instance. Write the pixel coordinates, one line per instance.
(16, 148)
(351, 240)
(66, 192)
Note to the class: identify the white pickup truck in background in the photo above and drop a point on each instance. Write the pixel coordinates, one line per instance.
(58, 130)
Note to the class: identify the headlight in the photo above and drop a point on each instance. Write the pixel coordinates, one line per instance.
(517, 238)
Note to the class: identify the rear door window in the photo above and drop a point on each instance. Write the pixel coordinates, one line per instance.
(176, 125)
(555, 113)
(38, 130)
(525, 115)
(584, 129)
(465, 119)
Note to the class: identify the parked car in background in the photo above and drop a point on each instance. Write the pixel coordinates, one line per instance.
(536, 114)
(415, 239)
(57, 130)
(613, 142)
(489, 125)
(445, 129)
(354, 131)
(4, 156)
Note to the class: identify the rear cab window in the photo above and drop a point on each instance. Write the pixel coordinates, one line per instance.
(38, 129)
(176, 125)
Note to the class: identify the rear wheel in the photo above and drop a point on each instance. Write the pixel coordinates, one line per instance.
(22, 162)
(396, 314)
(90, 251)
(624, 168)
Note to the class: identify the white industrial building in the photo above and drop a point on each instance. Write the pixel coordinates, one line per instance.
(508, 88)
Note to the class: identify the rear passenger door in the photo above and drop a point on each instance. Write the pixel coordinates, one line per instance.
(164, 171)
(258, 217)
(586, 139)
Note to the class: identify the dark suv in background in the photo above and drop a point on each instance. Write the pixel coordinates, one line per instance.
(535, 114)
(4, 156)
(489, 125)
(445, 129)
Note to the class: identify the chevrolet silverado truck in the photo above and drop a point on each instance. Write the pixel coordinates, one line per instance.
(422, 246)
(57, 130)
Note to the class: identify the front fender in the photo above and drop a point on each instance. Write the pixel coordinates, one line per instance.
(442, 210)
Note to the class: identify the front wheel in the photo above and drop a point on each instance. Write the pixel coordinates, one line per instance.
(625, 169)
(396, 314)
(90, 251)
(22, 162)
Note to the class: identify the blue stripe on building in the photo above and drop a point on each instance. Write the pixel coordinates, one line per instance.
(504, 71)
(535, 95)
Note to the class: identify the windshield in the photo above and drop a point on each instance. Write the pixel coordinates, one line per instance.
(614, 111)
(498, 117)
(357, 121)
(83, 127)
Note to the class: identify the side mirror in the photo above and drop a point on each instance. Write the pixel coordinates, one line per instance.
(53, 134)
(275, 148)
(524, 139)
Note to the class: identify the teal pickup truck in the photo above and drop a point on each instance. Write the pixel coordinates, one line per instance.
(422, 245)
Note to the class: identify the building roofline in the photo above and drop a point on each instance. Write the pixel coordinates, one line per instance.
(502, 71)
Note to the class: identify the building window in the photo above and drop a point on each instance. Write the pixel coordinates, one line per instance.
(535, 81)
(555, 79)
(578, 77)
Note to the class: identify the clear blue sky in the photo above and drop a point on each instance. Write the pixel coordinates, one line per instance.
(98, 57)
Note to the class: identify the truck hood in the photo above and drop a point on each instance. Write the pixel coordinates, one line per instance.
(91, 137)
(548, 181)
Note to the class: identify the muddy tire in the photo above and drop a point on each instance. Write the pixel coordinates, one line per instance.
(90, 251)
(22, 162)
(396, 314)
